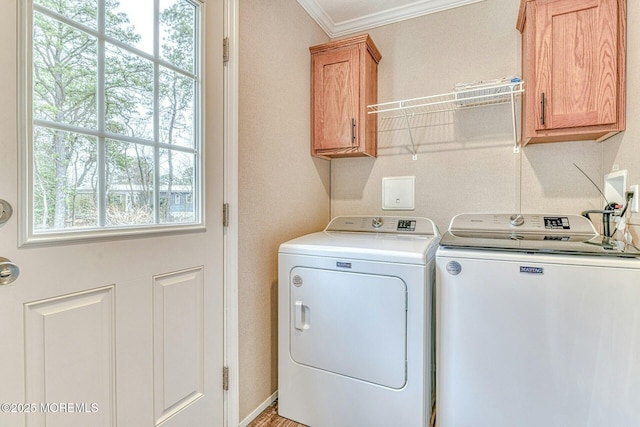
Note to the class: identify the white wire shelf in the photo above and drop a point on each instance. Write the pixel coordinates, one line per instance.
(465, 95)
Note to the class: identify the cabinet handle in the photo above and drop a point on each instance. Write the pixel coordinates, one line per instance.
(542, 109)
(353, 131)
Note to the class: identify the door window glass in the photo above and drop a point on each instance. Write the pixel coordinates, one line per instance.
(111, 116)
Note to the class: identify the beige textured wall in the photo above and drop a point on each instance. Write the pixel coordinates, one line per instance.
(465, 159)
(465, 162)
(623, 150)
(283, 192)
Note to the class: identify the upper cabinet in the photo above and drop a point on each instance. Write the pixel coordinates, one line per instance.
(344, 80)
(573, 61)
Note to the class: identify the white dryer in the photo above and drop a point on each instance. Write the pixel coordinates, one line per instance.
(538, 324)
(355, 343)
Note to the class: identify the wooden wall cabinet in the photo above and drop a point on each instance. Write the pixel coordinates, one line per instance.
(344, 80)
(573, 65)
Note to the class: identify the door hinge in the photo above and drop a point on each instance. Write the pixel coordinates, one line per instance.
(225, 378)
(225, 49)
(225, 215)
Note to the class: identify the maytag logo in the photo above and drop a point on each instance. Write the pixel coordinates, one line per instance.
(531, 270)
(343, 264)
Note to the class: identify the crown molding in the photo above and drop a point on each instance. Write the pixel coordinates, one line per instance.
(389, 16)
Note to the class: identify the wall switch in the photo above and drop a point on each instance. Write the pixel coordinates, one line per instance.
(398, 193)
(635, 202)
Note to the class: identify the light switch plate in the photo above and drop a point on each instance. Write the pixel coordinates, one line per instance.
(398, 193)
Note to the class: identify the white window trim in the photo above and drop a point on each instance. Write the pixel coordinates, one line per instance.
(26, 234)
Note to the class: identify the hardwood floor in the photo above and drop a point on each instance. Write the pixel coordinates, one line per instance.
(269, 418)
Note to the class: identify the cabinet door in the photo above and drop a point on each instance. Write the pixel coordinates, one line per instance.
(577, 70)
(336, 95)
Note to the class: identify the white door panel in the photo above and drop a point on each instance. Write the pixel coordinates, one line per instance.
(178, 342)
(80, 373)
(132, 327)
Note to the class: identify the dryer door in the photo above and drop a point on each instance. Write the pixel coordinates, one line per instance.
(351, 324)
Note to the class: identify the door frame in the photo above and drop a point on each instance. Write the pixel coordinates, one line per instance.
(230, 251)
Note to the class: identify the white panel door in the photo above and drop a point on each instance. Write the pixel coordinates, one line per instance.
(124, 332)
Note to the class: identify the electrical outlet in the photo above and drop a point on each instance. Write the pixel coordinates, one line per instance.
(635, 202)
(615, 184)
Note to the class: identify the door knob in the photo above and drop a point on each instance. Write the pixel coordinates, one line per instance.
(9, 271)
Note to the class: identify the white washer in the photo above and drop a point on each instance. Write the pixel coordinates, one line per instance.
(355, 323)
(538, 324)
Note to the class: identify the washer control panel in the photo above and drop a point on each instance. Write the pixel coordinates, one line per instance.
(532, 233)
(383, 224)
(523, 223)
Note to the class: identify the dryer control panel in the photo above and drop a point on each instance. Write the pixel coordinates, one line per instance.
(383, 224)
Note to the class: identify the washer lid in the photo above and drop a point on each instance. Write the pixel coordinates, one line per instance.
(402, 240)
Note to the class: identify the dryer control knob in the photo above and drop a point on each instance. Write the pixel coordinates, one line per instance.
(377, 222)
(516, 220)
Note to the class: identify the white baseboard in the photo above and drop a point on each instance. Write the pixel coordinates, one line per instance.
(264, 405)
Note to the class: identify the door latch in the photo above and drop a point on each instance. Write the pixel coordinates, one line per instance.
(5, 211)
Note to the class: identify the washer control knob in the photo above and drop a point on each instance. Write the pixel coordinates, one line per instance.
(377, 222)
(516, 220)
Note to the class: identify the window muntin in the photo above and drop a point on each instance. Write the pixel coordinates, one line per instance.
(114, 138)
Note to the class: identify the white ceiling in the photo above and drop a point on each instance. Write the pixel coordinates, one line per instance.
(341, 17)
